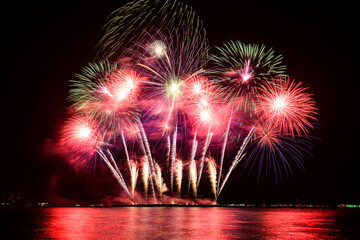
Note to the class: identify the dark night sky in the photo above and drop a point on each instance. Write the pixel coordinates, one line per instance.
(45, 44)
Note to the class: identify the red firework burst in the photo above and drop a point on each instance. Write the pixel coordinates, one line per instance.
(202, 102)
(286, 104)
(123, 87)
(196, 86)
(79, 135)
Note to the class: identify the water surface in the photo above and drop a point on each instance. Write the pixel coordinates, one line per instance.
(181, 223)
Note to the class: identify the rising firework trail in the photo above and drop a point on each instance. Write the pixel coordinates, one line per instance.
(134, 170)
(145, 176)
(192, 162)
(126, 149)
(151, 175)
(160, 185)
(223, 154)
(193, 177)
(206, 146)
(173, 157)
(212, 175)
(178, 174)
(168, 148)
(239, 156)
(117, 175)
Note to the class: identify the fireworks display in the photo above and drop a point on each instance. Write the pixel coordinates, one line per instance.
(160, 105)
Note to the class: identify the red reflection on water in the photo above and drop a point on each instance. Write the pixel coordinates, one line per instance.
(70, 223)
(186, 223)
(135, 223)
(200, 223)
(296, 224)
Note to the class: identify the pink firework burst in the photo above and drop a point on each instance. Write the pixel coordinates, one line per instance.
(286, 104)
(196, 86)
(79, 135)
(203, 103)
(246, 72)
(122, 88)
(113, 100)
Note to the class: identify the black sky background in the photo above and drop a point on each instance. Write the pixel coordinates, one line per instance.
(45, 43)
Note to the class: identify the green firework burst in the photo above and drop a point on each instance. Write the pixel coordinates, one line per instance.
(131, 24)
(90, 96)
(240, 68)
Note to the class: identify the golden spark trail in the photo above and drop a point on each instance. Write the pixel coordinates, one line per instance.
(212, 174)
(206, 146)
(173, 156)
(145, 176)
(134, 170)
(159, 180)
(147, 162)
(193, 152)
(193, 176)
(178, 174)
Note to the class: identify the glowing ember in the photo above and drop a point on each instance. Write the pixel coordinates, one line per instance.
(174, 88)
(197, 88)
(279, 103)
(157, 49)
(205, 115)
(84, 131)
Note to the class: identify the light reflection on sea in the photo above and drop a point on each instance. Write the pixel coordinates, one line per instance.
(182, 223)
